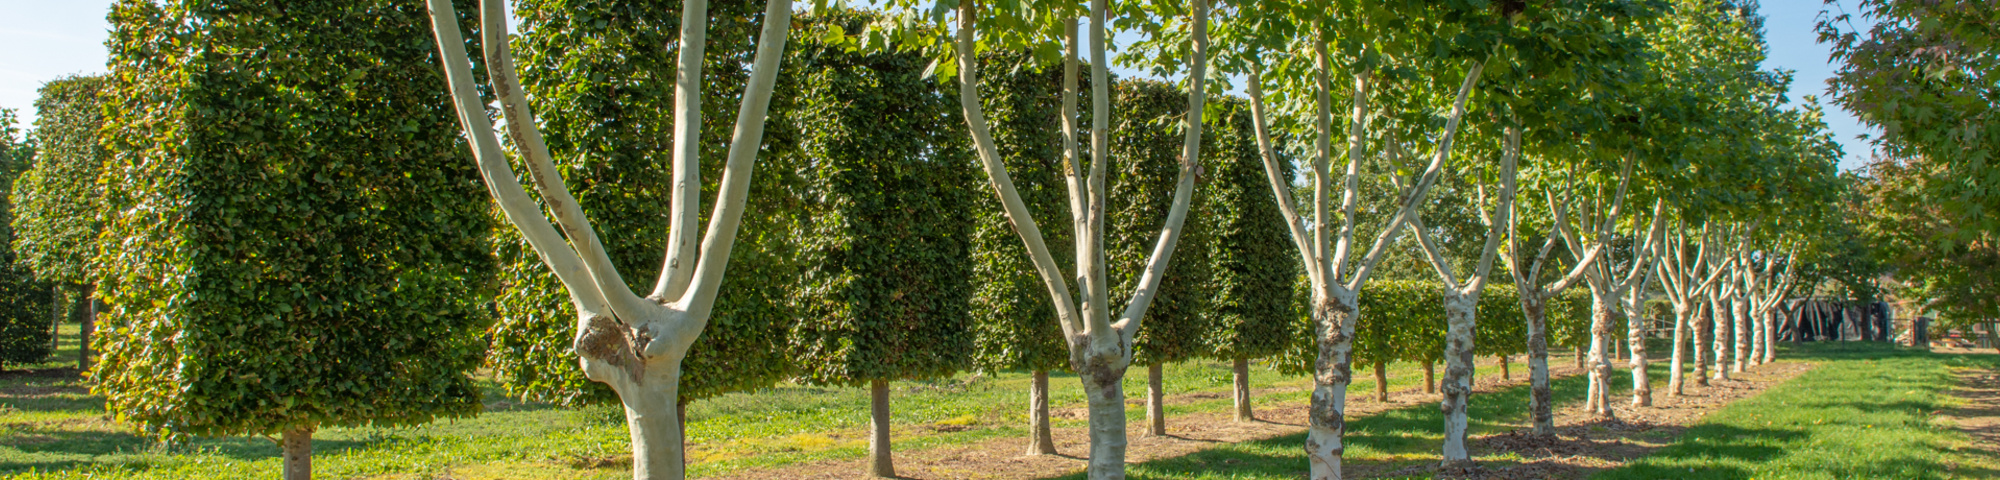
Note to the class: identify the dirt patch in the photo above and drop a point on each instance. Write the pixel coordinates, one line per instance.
(1004, 459)
(1979, 417)
(1585, 444)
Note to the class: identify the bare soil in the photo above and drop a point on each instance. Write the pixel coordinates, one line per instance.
(1979, 416)
(1585, 443)
(1004, 458)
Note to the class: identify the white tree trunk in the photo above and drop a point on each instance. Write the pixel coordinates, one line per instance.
(1041, 441)
(1771, 325)
(652, 418)
(1104, 392)
(1740, 324)
(1635, 334)
(1241, 372)
(1602, 309)
(1460, 321)
(1334, 317)
(297, 444)
(1541, 398)
(881, 462)
(1682, 315)
(1719, 311)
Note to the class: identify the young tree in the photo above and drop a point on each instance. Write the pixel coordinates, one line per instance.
(596, 73)
(59, 202)
(1251, 254)
(635, 344)
(294, 245)
(1099, 344)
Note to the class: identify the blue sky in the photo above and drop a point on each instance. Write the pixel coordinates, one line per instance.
(47, 39)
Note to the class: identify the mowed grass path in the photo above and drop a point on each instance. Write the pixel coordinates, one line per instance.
(1864, 413)
(49, 429)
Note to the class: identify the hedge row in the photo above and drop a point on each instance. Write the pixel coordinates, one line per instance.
(1404, 321)
(300, 231)
(26, 325)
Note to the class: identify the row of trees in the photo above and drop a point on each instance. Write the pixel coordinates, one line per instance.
(293, 238)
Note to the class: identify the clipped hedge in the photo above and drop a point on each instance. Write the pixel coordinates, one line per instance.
(1251, 260)
(602, 84)
(58, 209)
(1146, 141)
(1404, 321)
(300, 232)
(885, 202)
(25, 323)
(1013, 318)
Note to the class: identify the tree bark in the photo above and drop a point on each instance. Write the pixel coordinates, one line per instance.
(1601, 340)
(1771, 325)
(1333, 370)
(1720, 338)
(1674, 386)
(1540, 395)
(86, 328)
(1243, 410)
(1041, 441)
(1381, 381)
(297, 443)
(1430, 377)
(1699, 334)
(681, 418)
(1460, 322)
(1506, 371)
(880, 462)
(1156, 401)
(1576, 355)
(1635, 334)
(1104, 391)
(1740, 323)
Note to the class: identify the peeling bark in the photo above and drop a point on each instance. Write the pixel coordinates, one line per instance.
(1327, 416)
(1720, 337)
(1540, 395)
(1740, 324)
(1460, 322)
(1675, 387)
(1700, 332)
(1105, 395)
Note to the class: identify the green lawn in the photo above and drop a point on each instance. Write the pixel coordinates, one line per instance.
(51, 428)
(1864, 413)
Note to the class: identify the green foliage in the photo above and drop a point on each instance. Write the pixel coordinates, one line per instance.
(1404, 321)
(58, 210)
(1014, 319)
(1252, 262)
(603, 88)
(25, 322)
(1146, 140)
(300, 234)
(885, 203)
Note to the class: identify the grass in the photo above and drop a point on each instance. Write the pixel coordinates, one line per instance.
(1865, 412)
(50, 428)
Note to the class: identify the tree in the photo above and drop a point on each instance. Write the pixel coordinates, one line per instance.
(1924, 73)
(25, 331)
(1099, 344)
(1250, 257)
(603, 86)
(1145, 149)
(635, 344)
(59, 210)
(1011, 309)
(295, 248)
(883, 253)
